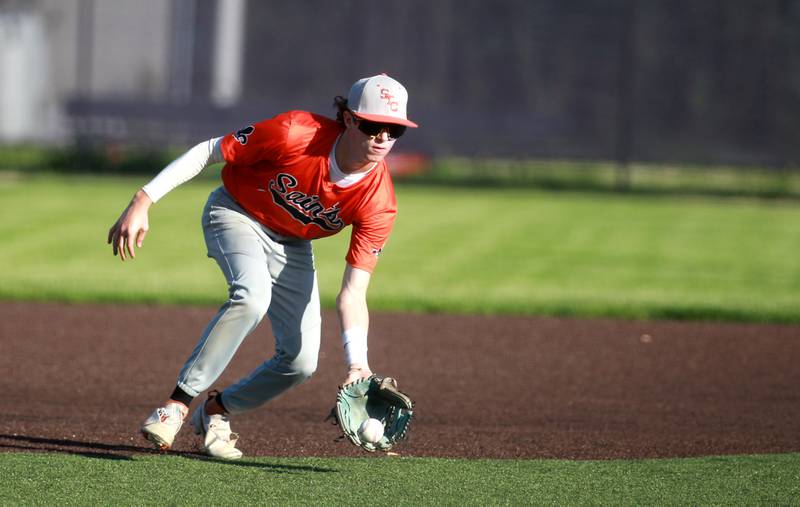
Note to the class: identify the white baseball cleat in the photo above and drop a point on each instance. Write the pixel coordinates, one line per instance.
(164, 423)
(218, 439)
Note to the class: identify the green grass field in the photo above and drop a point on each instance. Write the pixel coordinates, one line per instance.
(453, 250)
(456, 249)
(149, 480)
(640, 178)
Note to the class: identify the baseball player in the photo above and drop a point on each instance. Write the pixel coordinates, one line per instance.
(286, 181)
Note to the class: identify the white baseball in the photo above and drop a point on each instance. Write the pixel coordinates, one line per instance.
(370, 431)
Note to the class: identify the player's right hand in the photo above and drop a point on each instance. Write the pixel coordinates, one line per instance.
(131, 227)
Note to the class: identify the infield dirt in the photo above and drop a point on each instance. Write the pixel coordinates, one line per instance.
(81, 379)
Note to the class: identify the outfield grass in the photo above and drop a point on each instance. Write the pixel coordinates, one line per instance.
(36, 479)
(453, 249)
(642, 178)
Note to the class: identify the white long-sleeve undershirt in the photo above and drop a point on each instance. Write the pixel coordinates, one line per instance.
(204, 154)
(184, 168)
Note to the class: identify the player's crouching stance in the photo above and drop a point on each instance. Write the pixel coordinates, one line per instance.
(286, 181)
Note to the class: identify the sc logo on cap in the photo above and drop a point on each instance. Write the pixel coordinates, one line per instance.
(388, 97)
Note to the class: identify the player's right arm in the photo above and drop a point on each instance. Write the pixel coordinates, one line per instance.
(131, 227)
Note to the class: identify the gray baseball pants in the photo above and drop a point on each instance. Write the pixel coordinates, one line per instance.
(266, 274)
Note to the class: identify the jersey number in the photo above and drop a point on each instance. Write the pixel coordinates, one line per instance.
(243, 134)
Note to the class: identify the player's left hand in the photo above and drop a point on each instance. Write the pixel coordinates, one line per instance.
(378, 398)
(356, 373)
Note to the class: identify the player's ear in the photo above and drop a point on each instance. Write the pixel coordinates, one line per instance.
(349, 120)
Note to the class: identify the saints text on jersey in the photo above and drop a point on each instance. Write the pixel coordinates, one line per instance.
(304, 208)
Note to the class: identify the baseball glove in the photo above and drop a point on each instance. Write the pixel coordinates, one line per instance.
(377, 398)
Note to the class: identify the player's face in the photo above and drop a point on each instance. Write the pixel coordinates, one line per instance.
(373, 140)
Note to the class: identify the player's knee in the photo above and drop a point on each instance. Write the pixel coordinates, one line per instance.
(256, 308)
(305, 367)
(309, 354)
(253, 304)
(298, 354)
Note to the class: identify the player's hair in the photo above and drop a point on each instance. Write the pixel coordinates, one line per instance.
(340, 103)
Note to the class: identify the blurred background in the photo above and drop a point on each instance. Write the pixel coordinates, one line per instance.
(662, 81)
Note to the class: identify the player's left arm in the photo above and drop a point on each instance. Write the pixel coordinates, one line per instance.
(351, 304)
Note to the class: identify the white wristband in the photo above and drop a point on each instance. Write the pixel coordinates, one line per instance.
(355, 345)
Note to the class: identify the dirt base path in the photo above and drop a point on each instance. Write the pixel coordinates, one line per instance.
(82, 378)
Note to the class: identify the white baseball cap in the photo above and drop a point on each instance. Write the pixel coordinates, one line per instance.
(380, 99)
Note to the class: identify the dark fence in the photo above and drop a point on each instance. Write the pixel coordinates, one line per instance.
(711, 81)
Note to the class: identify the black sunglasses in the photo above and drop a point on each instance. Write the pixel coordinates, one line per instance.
(374, 129)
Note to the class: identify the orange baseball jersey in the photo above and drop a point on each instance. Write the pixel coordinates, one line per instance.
(278, 170)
